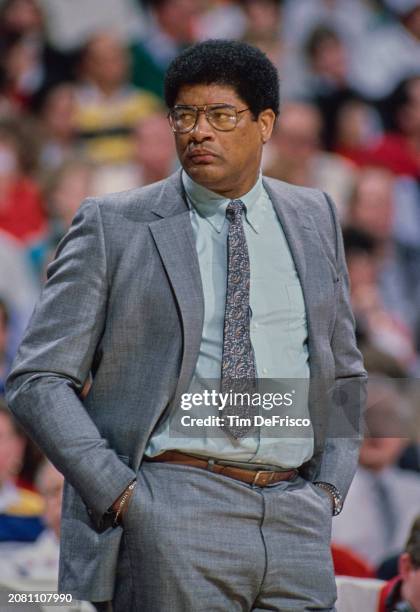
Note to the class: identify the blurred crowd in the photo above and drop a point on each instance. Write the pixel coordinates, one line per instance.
(82, 113)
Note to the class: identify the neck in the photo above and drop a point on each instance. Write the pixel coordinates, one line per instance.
(234, 192)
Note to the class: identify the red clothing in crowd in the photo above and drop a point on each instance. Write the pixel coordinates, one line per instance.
(355, 155)
(393, 151)
(21, 212)
(347, 563)
(389, 594)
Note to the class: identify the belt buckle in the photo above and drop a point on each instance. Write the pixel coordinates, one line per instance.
(259, 473)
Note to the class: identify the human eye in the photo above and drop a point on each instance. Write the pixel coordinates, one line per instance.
(222, 113)
(222, 117)
(184, 114)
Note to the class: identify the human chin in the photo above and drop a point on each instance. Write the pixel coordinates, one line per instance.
(205, 174)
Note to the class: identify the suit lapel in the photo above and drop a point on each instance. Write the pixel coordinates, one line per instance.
(173, 235)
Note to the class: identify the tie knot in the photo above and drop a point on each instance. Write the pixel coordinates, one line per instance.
(234, 209)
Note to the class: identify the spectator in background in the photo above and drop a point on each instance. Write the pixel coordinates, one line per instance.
(372, 209)
(18, 287)
(403, 592)
(390, 52)
(35, 566)
(328, 83)
(153, 158)
(263, 28)
(172, 27)
(154, 150)
(57, 126)
(17, 73)
(64, 190)
(372, 204)
(38, 562)
(29, 63)
(375, 323)
(21, 210)
(399, 149)
(357, 127)
(20, 508)
(21, 17)
(107, 106)
(70, 24)
(383, 499)
(295, 155)
(350, 19)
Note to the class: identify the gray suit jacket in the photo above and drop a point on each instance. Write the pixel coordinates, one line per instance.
(123, 303)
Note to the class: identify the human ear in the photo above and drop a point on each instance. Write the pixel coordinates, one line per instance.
(266, 120)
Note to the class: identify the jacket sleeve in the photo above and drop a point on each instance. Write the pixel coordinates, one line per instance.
(348, 396)
(54, 360)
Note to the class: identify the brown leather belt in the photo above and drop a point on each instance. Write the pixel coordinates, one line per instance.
(261, 478)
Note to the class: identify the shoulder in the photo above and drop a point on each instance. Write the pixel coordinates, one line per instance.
(300, 195)
(136, 204)
(306, 200)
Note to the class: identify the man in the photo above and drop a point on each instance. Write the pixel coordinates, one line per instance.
(403, 592)
(396, 150)
(151, 293)
(107, 106)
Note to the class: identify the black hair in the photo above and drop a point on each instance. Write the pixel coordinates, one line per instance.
(391, 106)
(226, 62)
(357, 241)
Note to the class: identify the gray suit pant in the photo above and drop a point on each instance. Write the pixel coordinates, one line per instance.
(197, 541)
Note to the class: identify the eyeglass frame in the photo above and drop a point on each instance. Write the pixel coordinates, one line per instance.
(203, 108)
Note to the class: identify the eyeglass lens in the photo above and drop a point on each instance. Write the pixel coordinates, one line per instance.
(222, 118)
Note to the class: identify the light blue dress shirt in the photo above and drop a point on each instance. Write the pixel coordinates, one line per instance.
(278, 331)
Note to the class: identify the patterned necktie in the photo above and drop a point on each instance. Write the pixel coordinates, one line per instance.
(238, 365)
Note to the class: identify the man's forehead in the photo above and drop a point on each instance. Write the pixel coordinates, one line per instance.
(208, 93)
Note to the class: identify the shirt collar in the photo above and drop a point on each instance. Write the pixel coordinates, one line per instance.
(212, 206)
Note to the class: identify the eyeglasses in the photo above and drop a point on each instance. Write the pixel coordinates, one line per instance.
(222, 117)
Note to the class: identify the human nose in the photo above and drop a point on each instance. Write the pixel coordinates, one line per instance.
(202, 129)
